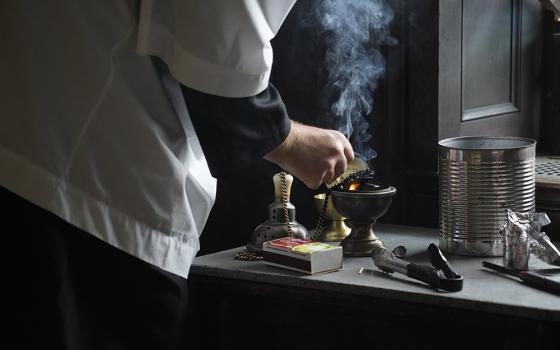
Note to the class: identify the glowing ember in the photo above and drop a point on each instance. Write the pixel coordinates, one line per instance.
(362, 181)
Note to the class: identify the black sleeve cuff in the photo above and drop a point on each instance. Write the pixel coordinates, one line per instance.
(235, 132)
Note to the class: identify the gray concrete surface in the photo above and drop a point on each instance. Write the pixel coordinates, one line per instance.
(483, 290)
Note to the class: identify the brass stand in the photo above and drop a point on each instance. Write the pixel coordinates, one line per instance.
(363, 208)
(361, 241)
(336, 229)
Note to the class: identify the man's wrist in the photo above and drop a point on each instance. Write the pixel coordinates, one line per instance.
(279, 153)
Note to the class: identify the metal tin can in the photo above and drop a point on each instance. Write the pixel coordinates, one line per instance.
(479, 179)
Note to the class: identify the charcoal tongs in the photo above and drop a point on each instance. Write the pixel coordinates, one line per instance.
(440, 275)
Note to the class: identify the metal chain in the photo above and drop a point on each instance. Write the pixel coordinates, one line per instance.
(284, 189)
(321, 220)
(247, 255)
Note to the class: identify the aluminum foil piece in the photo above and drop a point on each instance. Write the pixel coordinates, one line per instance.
(522, 236)
(516, 242)
(541, 246)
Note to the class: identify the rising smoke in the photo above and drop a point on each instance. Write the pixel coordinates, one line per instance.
(353, 32)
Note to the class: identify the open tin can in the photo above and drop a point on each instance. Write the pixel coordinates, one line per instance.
(479, 179)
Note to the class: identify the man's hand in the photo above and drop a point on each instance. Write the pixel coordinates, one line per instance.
(313, 155)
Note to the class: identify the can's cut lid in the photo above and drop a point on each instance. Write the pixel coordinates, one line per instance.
(487, 142)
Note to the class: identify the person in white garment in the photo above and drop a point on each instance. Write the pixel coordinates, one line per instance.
(552, 5)
(104, 182)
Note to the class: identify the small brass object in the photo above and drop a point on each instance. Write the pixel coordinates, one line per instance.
(336, 229)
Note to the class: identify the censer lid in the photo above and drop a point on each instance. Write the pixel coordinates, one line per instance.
(364, 182)
(353, 167)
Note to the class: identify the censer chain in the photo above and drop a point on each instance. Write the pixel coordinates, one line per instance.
(284, 189)
(248, 255)
(254, 256)
(321, 220)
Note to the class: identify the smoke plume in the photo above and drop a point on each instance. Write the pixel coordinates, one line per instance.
(353, 32)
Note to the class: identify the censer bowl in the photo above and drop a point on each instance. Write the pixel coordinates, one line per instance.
(362, 208)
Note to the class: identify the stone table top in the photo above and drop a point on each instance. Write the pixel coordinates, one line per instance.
(483, 289)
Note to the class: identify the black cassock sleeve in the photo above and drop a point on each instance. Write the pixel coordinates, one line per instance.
(234, 132)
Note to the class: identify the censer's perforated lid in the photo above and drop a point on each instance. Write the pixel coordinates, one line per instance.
(353, 167)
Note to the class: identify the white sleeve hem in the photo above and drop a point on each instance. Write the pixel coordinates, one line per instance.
(197, 73)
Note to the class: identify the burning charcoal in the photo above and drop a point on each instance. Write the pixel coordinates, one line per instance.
(363, 183)
(351, 186)
(371, 186)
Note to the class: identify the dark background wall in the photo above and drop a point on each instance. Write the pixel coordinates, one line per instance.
(419, 101)
(300, 76)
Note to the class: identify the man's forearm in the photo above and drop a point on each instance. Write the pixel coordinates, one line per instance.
(236, 131)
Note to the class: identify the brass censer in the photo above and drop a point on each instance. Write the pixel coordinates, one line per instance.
(358, 196)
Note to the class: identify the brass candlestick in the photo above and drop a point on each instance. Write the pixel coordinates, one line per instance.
(336, 229)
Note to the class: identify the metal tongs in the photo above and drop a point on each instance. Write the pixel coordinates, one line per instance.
(440, 275)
